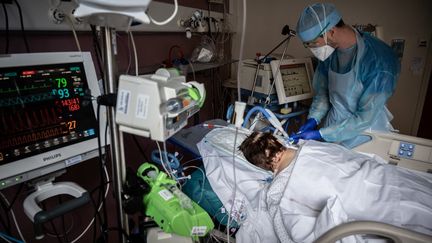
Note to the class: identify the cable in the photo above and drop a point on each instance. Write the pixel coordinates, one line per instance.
(275, 75)
(129, 54)
(98, 209)
(5, 238)
(235, 179)
(135, 52)
(163, 164)
(241, 50)
(167, 20)
(102, 202)
(6, 28)
(193, 69)
(71, 24)
(97, 48)
(15, 196)
(22, 26)
(13, 217)
(7, 224)
(102, 165)
(204, 179)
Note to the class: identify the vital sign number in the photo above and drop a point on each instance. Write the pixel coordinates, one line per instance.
(62, 93)
(61, 82)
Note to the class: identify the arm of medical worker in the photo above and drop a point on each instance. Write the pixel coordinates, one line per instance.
(309, 125)
(371, 103)
(320, 105)
(308, 135)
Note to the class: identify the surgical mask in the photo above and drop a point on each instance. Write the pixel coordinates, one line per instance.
(322, 52)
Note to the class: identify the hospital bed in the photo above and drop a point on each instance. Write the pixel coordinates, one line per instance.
(400, 150)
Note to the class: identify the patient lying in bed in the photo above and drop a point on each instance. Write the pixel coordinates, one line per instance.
(322, 185)
(326, 177)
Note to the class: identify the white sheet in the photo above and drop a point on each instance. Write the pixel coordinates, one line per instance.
(323, 192)
(251, 183)
(353, 186)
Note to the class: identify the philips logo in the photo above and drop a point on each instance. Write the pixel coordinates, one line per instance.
(51, 157)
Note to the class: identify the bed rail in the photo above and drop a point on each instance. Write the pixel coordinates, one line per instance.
(397, 234)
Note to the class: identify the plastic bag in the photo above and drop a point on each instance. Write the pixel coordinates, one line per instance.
(205, 51)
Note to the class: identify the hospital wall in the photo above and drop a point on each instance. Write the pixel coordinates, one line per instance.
(408, 20)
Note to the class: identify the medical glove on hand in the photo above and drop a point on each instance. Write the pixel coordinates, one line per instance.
(309, 125)
(308, 135)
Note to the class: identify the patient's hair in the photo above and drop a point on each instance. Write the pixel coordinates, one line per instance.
(259, 148)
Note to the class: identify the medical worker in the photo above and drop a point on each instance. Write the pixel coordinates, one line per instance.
(355, 77)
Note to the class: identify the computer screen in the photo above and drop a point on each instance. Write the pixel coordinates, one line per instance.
(47, 118)
(292, 79)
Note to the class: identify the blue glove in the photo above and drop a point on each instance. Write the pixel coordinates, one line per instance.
(308, 135)
(309, 125)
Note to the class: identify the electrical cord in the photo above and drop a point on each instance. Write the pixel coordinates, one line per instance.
(97, 49)
(6, 224)
(235, 182)
(134, 51)
(6, 28)
(129, 54)
(13, 217)
(97, 210)
(204, 179)
(7, 238)
(241, 50)
(71, 24)
(6, 208)
(193, 69)
(22, 26)
(101, 198)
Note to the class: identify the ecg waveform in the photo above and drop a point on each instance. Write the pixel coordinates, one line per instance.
(27, 120)
(25, 99)
(30, 87)
(32, 137)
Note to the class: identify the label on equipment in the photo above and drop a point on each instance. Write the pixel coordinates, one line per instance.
(73, 160)
(123, 100)
(142, 106)
(165, 194)
(199, 230)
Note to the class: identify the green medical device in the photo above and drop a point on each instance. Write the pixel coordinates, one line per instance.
(170, 208)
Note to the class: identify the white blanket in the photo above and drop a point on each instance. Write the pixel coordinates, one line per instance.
(325, 186)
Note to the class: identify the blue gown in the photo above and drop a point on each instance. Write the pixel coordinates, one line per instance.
(352, 98)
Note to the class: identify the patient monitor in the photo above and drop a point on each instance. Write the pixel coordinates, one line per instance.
(402, 150)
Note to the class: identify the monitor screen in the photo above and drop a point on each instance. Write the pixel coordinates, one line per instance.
(47, 119)
(293, 78)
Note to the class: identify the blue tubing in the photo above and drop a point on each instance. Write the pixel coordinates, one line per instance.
(171, 159)
(252, 111)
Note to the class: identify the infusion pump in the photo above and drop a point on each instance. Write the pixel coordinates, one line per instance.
(157, 105)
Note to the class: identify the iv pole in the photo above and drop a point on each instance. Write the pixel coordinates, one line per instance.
(117, 166)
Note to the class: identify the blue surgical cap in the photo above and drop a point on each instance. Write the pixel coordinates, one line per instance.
(312, 20)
